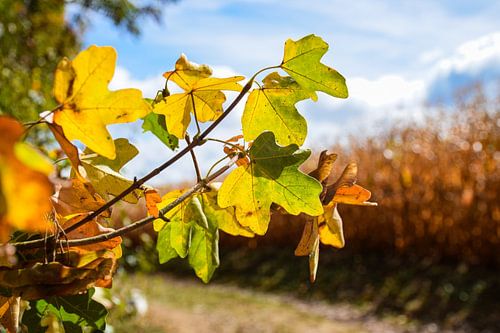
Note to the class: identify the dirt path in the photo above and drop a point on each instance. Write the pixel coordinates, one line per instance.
(189, 306)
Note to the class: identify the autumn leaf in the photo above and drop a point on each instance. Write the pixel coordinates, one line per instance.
(302, 62)
(23, 183)
(152, 198)
(104, 174)
(75, 196)
(325, 165)
(68, 148)
(308, 238)
(204, 252)
(272, 108)
(202, 96)
(271, 177)
(330, 227)
(87, 105)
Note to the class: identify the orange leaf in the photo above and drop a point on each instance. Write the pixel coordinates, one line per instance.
(152, 198)
(353, 195)
(24, 186)
(75, 196)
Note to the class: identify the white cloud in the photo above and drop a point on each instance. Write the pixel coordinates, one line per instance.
(473, 55)
(149, 86)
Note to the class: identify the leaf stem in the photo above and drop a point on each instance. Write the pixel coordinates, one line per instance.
(195, 161)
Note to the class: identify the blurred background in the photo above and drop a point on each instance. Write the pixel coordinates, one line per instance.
(422, 122)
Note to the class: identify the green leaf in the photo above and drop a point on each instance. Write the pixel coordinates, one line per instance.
(302, 62)
(204, 252)
(163, 246)
(180, 236)
(125, 152)
(155, 123)
(273, 108)
(272, 176)
(75, 312)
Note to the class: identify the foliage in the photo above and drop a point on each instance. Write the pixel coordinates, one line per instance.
(437, 181)
(63, 247)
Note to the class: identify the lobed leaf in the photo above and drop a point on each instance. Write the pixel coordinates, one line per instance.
(272, 108)
(202, 96)
(302, 62)
(271, 177)
(87, 106)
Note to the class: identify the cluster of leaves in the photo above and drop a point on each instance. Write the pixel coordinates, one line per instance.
(64, 248)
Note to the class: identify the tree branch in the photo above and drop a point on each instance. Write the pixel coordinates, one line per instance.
(38, 243)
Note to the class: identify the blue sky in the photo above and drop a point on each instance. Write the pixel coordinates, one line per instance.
(395, 55)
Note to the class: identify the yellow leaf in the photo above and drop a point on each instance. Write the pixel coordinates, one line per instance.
(87, 106)
(330, 227)
(309, 237)
(202, 96)
(23, 183)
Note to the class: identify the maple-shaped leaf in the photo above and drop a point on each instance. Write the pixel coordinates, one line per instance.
(272, 176)
(302, 62)
(104, 174)
(202, 96)
(25, 189)
(87, 106)
(272, 108)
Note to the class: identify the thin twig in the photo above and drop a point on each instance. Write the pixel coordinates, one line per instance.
(195, 161)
